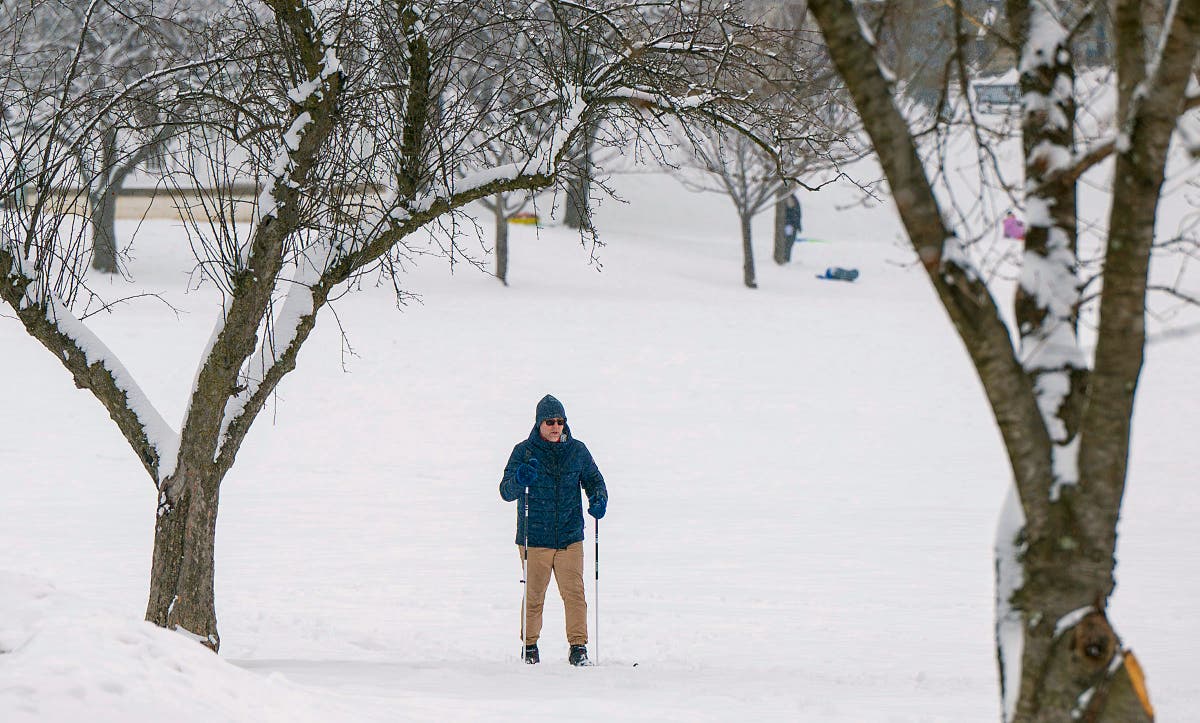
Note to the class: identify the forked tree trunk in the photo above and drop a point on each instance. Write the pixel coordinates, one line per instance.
(1068, 644)
(182, 569)
(1073, 666)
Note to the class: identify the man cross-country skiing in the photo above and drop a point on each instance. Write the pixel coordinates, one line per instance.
(553, 466)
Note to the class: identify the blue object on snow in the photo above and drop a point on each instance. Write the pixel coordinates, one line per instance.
(837, 273)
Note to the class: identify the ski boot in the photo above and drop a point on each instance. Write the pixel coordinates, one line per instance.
(578, 656)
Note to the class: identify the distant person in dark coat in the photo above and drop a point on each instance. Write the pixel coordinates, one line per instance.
(553, 467)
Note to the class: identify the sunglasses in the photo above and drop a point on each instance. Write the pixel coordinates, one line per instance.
(554, 422)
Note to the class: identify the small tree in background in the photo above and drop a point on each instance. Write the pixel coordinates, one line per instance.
(97, 51)
(734, 161)
(503, 207)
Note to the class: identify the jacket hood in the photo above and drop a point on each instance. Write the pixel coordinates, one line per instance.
(549, 408)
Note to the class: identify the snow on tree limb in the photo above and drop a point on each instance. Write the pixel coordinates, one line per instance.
(1138, 176)
(963, 294)
(206, 431)
(1049, 290)
(1010, 577)
(354, 160)
(537, 170)
(94, 366)
(1056, 546)
(303, 95)
(279, 344)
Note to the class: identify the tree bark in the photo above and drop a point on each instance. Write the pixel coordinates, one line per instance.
(747, 253)
(1066, 574)
(106, 187)
(501, 239)
(783, 241)
(103, 218)
(1073, 665)
(182, 573)
(249, 353)
(103, 211)
(576, 213)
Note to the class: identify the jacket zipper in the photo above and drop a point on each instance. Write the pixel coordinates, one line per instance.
(556, 523)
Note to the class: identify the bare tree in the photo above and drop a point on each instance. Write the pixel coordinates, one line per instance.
(351, 119)
(819, 138)
(734, 165)
(503, 207)
(496, 94)
(827, 122)
(99, 49)
(1063, 409)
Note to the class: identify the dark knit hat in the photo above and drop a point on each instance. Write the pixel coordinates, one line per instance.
(549, 408)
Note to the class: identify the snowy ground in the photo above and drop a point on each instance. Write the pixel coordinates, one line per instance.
(804, 486)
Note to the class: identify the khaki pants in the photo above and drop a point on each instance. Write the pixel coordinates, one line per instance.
(567, 566)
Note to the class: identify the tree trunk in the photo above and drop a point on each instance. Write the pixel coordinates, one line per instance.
(182, 571)
(103, 207)
(579, 188)
(1154, 14)
(501, 239)
(783, 240)
(1073, 667)
(103, 215)
(575, 213)
(747, 253)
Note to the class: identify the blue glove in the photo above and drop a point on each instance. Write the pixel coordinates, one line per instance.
(527, 473)
(597, 507)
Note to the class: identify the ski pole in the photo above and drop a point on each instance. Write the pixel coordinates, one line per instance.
(596, 590)
(525, 580)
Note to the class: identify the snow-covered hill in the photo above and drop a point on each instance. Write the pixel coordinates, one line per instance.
(804, 485)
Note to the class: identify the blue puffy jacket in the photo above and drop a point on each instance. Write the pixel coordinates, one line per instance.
(555, 502)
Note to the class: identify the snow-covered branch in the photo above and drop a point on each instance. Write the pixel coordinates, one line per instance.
(962, 291)
(218, 394)
(92, 364)
(281, 175)
(1050, 291)
(1083, 161)
(276, 354)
